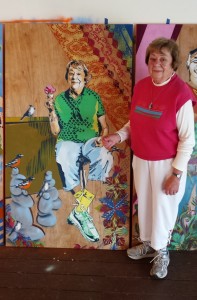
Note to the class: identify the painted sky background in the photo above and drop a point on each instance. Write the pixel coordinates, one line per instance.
(124, 11)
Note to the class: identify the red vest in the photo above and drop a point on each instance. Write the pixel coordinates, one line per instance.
(154, 134)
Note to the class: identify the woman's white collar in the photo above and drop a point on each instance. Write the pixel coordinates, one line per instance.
(165, 82)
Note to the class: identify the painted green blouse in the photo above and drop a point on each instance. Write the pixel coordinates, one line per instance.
(78, 118)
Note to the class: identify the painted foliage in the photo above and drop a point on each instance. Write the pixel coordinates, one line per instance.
(184, 236)
(48, 204)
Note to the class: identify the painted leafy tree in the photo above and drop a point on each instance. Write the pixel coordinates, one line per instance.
(184, 236)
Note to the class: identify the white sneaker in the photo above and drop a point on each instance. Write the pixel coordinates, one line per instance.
(84, 222)
(160, 264)
(141, 251)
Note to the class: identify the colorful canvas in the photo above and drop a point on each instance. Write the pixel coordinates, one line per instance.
(1, 141)
(184, 236)
(41, 210)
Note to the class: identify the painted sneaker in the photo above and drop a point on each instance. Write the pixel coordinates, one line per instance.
(160, 264)
(141, 251)
(85, 224)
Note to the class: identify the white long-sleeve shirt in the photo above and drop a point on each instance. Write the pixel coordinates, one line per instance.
(185, 126)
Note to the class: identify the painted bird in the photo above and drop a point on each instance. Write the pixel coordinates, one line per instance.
(15, 162)
(29, 112)
(43, 188)
(17, 227)
(25, 184)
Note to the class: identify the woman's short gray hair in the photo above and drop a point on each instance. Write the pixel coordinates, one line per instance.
(169, 44)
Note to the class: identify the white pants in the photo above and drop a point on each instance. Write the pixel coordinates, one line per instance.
(68, 154)
(157, 212)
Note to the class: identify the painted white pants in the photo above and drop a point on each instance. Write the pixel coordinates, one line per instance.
(68, 154)
(157, 212)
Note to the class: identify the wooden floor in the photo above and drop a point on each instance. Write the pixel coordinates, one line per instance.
(45, 273)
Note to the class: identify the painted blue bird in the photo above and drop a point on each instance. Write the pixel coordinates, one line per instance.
(29, 112)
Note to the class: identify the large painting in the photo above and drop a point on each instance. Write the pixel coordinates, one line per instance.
(66, 85)
(1, 141)
(184, 236)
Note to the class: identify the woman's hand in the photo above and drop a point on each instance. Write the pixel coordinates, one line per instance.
(110, 140)
(171, 185)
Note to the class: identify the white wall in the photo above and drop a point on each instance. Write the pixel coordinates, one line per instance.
(95, 11)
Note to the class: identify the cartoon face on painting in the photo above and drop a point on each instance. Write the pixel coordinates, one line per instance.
(192, 67)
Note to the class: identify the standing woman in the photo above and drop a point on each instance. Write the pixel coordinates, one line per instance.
(161, 129)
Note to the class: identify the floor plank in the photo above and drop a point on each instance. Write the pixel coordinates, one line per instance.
(45, 273)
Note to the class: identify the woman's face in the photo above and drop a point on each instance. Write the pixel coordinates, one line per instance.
(76, 78)
(160, 65)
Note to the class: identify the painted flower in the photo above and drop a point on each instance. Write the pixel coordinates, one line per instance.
(10, 222)
(49, 89)
(116, 186)
(97, 69)
(110, 90)
(114, 236)
(110, 223)
(78, 246)
(113, 209)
